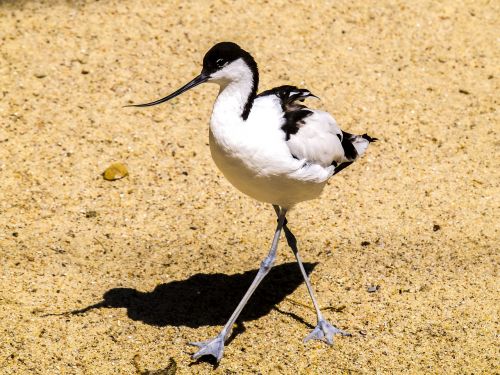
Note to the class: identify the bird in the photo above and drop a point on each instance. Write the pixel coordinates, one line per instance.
(273, 148)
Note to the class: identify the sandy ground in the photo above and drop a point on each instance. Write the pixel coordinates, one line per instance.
(101, 277)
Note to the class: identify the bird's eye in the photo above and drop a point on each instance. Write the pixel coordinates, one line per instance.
(219, 62)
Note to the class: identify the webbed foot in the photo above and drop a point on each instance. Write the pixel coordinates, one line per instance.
(324, 331)
(213, 347)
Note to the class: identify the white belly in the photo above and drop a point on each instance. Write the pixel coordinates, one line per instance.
(265, 185)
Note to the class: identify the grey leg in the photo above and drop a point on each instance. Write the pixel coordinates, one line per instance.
(215, 347)
(324, 331)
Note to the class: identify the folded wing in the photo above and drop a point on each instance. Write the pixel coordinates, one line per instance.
(314, 135)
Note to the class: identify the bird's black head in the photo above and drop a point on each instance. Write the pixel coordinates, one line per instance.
(221, 55)
(223, 63)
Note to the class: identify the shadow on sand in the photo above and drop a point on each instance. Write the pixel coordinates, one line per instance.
(204, 299)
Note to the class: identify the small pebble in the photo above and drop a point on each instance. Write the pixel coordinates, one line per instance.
(373, 288)
(90, 214)
(115, 171)
(436, 227)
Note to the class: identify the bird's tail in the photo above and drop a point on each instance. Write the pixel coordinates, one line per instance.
(361, 142)
(355, 145)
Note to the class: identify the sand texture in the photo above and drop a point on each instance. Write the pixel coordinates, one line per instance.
(115, 277)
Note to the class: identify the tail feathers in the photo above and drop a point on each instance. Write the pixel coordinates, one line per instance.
(369, 139)
(354, 146)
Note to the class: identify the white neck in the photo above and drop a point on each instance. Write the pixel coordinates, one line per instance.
(236, 84)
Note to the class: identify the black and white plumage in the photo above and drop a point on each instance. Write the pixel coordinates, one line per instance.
(300, 132)
(273, 148)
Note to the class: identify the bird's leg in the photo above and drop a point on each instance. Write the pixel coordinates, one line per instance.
(324, 331)
(215, 347)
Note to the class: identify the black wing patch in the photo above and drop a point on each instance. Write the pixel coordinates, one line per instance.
(294, 120)
(288, 94)
(293, 112)
(349, 149)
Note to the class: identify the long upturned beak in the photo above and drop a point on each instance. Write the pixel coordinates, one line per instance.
(195, 82)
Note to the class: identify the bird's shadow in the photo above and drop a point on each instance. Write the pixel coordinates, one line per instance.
(204, 299)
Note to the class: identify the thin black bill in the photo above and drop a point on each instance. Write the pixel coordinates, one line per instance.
(195, 82)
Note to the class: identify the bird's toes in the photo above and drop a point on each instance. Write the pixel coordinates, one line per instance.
(214, 347)
(315, 334)
(324, 331)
